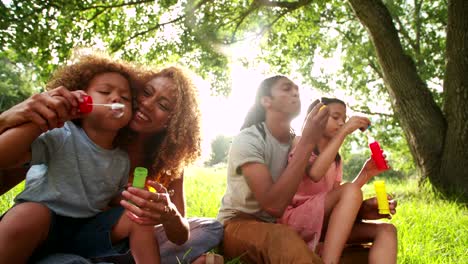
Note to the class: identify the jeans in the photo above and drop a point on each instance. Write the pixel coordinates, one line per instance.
(205, 234)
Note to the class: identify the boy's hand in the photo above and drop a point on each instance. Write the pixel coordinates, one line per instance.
(315, 124)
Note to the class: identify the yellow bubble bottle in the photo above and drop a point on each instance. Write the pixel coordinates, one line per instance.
(382, 201)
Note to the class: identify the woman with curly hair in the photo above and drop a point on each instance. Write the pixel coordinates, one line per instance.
(167, 123)
(78, 170)
(166, 137)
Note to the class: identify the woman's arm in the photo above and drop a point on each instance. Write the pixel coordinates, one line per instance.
(9, 178)
(47, 110)
(175, 224)
(15, 144)
(159, 208)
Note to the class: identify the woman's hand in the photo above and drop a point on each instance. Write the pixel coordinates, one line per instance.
(48, 110)
(370, 211)
(149, 208)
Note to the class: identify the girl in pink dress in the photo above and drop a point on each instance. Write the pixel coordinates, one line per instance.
(323, 209)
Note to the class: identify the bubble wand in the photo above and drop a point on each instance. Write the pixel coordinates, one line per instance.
(86, 106)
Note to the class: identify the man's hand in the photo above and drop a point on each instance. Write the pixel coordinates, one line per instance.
(370, 211)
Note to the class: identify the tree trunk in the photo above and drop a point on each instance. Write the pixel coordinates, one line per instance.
(454, 166)
(423, 122)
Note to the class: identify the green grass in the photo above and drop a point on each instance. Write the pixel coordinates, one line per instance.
(430, 230)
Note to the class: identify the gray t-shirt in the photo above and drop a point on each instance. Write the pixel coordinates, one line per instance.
(251, 146)
(72, 175)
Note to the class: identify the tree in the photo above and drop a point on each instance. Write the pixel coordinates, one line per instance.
(219, 150)
(14, 84)
(407, 55)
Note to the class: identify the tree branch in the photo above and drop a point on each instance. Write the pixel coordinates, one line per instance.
(114, 6)
(98, 13)
(368, 112)
(287, 5)
(376, 69)
(146, 31)
(417, 25)
(405, 33)
(251, 9)
(159, 25)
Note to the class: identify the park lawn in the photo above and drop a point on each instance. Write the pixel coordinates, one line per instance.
(430, 230)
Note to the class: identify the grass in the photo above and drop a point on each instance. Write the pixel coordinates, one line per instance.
(430, 230)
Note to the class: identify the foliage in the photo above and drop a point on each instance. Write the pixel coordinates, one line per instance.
(15, 85)
(288, 36)
(219, 150)
(196, 33)
(353, 165)
(45, 32)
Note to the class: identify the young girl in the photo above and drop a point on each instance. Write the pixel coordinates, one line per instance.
(78, 170)
(323, 208)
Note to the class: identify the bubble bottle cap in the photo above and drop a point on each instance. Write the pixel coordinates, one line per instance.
(86, 106)
(139, 177)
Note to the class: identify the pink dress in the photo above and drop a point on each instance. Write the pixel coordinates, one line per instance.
(306, 212)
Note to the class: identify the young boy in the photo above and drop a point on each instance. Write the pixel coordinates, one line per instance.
(77, 171)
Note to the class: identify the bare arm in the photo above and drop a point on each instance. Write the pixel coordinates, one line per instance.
(15, 144)
(274, 197)
(369, 209)
(150, 209)
(327, 156)
(47, 110)
(176, 226)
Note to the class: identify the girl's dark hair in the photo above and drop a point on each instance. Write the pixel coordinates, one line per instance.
(256, 113)
(326, 101)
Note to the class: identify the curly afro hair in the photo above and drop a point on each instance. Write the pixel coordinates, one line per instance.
(179, 145)
(78, 75)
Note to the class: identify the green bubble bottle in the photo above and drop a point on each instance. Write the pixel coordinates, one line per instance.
(139, 177)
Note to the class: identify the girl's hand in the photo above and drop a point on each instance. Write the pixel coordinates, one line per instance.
(369, 170)
(369, 209)
(315, 124)
(149, 208)
(355, 122)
